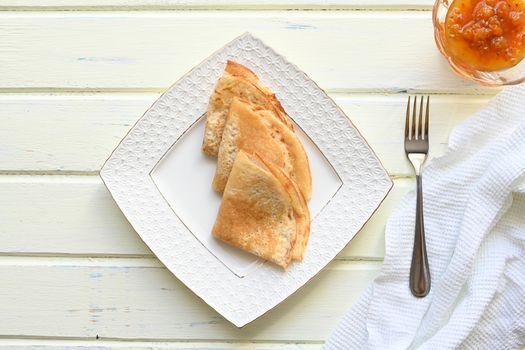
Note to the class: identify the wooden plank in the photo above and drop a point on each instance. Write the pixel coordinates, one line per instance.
(369, 243)
(138, 299)
(46, 344)
(75, 215)
(214, 4)
(73, 132)
(77, 132)
(340, 50)
(63, 215)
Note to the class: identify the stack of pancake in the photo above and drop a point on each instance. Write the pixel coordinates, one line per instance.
(262, 169)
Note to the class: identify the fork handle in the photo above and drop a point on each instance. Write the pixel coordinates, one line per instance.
(419, 271)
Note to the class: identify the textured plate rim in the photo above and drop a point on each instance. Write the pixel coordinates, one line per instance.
(238, 319)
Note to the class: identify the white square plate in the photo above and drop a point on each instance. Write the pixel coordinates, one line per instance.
(162, 182)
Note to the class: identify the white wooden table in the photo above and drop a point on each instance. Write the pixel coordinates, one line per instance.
(75, 75)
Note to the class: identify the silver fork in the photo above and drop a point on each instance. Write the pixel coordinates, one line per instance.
(416, 149)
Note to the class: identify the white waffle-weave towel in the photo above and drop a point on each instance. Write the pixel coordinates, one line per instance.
(474, 207)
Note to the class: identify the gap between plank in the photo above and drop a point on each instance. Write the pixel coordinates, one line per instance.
(247, 6)
(80, 177)
(59, 92)
(32, 176)
(225, 8)
(213, 14)
(143, 262)
(139, 256)
(29, 340)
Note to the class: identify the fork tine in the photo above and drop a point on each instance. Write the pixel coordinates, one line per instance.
(420, 124)
(414, 135)
(407, 119)
(426, 118)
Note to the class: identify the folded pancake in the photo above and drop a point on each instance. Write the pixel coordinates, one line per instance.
(255, 130)
(237, 81)
(256, 212)
(300, 208)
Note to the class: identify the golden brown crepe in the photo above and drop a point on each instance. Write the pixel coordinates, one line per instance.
(237, 81)
(300, 208)
(257, 212)
(262, 169)
(255, 130)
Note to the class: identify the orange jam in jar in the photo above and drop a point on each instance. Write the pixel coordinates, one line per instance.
(487, 35)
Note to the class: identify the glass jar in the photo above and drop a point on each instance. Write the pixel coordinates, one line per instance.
(507, 76)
